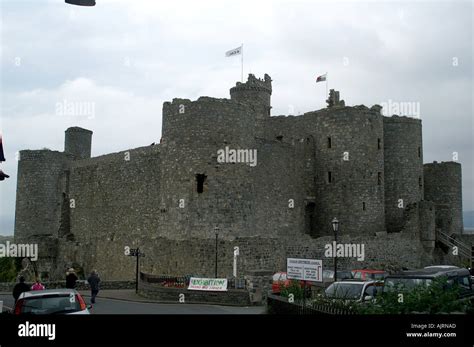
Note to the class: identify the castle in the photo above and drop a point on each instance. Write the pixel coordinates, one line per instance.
(173, 199)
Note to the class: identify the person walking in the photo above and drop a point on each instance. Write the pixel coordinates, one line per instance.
(20, 287)
(71, 278)
(94, 281)
(37, 285)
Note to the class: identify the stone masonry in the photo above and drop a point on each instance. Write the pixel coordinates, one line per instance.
(348, 162)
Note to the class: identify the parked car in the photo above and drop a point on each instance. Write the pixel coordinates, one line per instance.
(356, 290)
(328, 275)
(280, 279)
(369, 275)
(441, 267)
(51, 301)
(407, 280)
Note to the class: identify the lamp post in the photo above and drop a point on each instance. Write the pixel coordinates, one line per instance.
(216, 230)
(335, 228)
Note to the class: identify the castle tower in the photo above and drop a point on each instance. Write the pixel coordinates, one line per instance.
(39, 201)
(403, 164)
(443, 186)
(78, 142)
(348, 169)
(255, 92)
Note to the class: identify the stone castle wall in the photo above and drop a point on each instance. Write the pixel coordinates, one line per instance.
(168, 199)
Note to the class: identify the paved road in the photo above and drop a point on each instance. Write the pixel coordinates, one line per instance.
(112, 306)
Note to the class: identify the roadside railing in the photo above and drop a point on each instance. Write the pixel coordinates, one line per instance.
(280, 305)
(463, 248)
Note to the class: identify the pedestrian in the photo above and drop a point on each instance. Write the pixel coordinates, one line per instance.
(71, 278)
(37, 285)
(94, 281)
(20, 287)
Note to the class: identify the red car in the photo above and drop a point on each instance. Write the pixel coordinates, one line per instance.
(369, 275)
(280, 280)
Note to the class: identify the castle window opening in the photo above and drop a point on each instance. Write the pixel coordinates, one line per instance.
(379, 144)
(363, 206)
(419, 152)
(279, 137)
(329, 142)
(379, 178)
(420, 182)
(200, 179)
(329, 177)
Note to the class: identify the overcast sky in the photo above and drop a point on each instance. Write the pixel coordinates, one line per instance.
(128, 57)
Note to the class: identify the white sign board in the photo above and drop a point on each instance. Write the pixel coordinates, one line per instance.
(304, 269)
(208, 284)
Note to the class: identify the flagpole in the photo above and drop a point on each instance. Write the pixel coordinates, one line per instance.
(326, 84)
(242, 65)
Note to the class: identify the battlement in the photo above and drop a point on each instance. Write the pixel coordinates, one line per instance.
(255, 84)
(43, 155)
(401, 119)
(443, 163)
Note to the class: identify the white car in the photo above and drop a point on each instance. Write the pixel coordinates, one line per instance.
(356, 290)
(51, 301)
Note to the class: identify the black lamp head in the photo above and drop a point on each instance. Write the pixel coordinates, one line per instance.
(81, 2)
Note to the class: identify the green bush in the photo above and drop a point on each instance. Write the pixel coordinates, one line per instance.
(9, 268)
(421, 299)
(293, 288)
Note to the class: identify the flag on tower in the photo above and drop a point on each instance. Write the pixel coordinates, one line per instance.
(321, 78)
(235, 51)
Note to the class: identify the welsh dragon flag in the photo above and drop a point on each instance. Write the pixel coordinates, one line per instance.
(321, 78)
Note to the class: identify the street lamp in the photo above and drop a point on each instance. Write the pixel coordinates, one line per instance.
(335, 228)
(216, 230)
(81, 2)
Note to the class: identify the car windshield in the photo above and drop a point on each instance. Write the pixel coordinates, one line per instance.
(344, 274)
(379, 276)
(344, 290)
(50, 304)
(392, 284)
(328, 274)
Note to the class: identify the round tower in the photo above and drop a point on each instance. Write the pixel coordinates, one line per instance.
(443, 186)
(348, 170)
(38, 195)
(255, 92)
(403, 161)
(78, 142)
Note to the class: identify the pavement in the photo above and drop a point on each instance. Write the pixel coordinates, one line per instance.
(126, 301)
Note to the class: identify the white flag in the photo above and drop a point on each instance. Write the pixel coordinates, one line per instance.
(235, 51)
